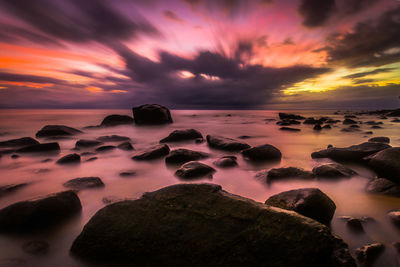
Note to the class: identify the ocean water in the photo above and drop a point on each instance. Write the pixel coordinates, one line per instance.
(296, 148)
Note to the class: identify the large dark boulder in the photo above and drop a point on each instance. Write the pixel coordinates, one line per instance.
(202, 225)
(182, 135)
(39, 214)
(310, 202)
(153, 153)
(386, 163)
(41, 148)
(151, 114)
(285, 173)
(24, 141)
(115, 120)
(333, 170)
(84, 183)
(182, 155)
(193, 170)
(224, 143)
(262, 153)
(56, 131)
(351, 153)
(84, 143)
(383, 186)
(70, 159)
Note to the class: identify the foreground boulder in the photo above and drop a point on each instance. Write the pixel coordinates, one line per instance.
(224, 143)
(333, 170)
(84, 183)
(366, 255)
(386, 163)
(39, 214)
(285, 173)
(262, 153)
(151, 114)
(383, 186)
(115, 120)
(57, 131)
(24, 141)
(206, 226)
(310, 202)
(153, 153)
(70, 159)
(40, 148)
(182, 155)
(182, 135)
(193, 170)
(351, 153)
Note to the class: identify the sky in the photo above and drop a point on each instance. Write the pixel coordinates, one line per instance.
(200, 54)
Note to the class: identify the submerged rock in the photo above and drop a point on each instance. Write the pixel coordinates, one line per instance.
(349, 121)
(70, 159)
(285, 173)
(224, 143)
(103, 149)
(115, 120)
(182, 135)
(151, 114)
(290, 129)
(113, 138)
(394, 215)
(24, 141)
(386, 163)
(84, 143)
(310, 202)
(355, 225)
(284, 116)
(153, 153)
(366, 255)
(226, 162)
(127, 146)
(40, 148)
(262, 153)
(383, 186)
(351, 153)
(84, 183)
(333, 170)
(39, 214)
(182, 155)
(57, 130)
(7, 189)
(193, 170)
(380, 139)
(317, 127)
(203, 225)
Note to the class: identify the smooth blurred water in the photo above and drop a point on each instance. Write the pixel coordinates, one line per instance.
(296, 147)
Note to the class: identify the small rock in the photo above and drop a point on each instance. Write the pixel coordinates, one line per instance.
(56, 131)
(383, 186)
(91, 159)
(380, 139)
(368, 132)
(24, 141)
(36, 247)
(283, 116)
(84, 183)
(224, 143)
(355, 225)
(376, 127)
(226, 162)
(333, 170)
(180, 156)
(127, 146)
(113, 138)
(84, 143)
(199, 140)
(182, 135)
(317, 127)
(105, 149)
(290, 129)
(153, 153)
(395, 216)
(127, 173)
(7, 189)
(366, 255)
(15, 156)
(69, 159)
(115, 120)
(193, 170)
(327, 127)
(285, 173)
(349, 121)
(40, 148)
(262, 153)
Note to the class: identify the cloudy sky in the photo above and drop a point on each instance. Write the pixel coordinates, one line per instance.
(200, 54)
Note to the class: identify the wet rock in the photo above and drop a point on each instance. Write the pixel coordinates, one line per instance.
(40, 148)
(113, 138)
(332, 121)
(182, 135)
(262, 153)
(288, 122)
(151, 114)
(317, 127)
(111, 199)
(193, 170)
(15, 156)
(84, 183)
(91, 159)
(310, 202)
(285, 173)
(127, 173)
(380, 139)
(70, 159)
(366, 255)
(373, 122)
(8, 189)
(153, 153)
(36, 247)
(39, 214)
(56, 131)
(84, 143)
(349, 121)
(284, 116)
(351, 153)
(103, 149)
(244, 137)
(326, 127)
(115, 120)
(329, 146)
(376, 127)
(395, 217)
(383, 186)
(311, 121)
(226, 162)
(290, 129)
(354, 126)
(395, 120)
(180, 156)
(127, 146)
(224, 143)
(394, 113)
(333, 170)
(24, 141)
(199, 140)
(355, 225)
(350, 117)
(202, 224)
(368, 132)
(386, 163)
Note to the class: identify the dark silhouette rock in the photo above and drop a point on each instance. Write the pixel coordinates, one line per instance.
(127, 173)
(226, 162)
(366, 255)
(311, 121)
(310, 202)
(153, 153)
(317, 127)
(84, 143)
(182, 135)
(380, 139)
(355, 225)
(395, 120)
(113, 138)
(40, 148)
(351, 153)
(394, 216)
(56, 131)
(39, 214)
(262, 153)
(70, 159)
(284, 116)
(290, 129)
(115, 120)
(8, 189)
(24, 141)
(349, 121)
(15, 156)
(206, 226)
(84, 183)
(376, 127)
(326, 127)
(373, 122)
(151, 114)
(333, 170)
(285, 173)
(386, 163)
(180, 156)
(350, 117)
(288, 122)
(224, 143)
(91, 159)
(103, 149)
(193, 170)
(394, 113)
(383, 186)
(127, 146)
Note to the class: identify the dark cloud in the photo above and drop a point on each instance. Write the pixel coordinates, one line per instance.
(350, 7)
(369, 43)
(360, 81)
(316, 12)
(13, 77)
(366, 73)
(172, 16)
(14, 34)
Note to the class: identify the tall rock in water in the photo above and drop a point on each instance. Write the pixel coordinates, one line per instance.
(151, 114)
